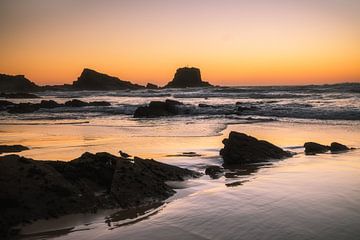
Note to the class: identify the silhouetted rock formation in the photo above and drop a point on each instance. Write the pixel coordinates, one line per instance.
(12, 148)
(187, 77)
(17, 83)
(158, 109)
(312, 148)
(92, 80)
(18, 95)
(240, 148)
(336, 147)
(31, 189)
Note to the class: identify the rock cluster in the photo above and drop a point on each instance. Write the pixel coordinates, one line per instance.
(187, 77)
(46, 104)
(312, 148)
(240, 149)
(31, 189)
(18, 95)
(158, 109)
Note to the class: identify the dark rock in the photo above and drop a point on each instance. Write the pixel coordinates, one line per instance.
(12, 148)
(158, 109)
(240, 148)
(244, 108)
(76, 103)
(5, 104)
(18, 95)
(214, 171)
(23, 108)
(152, 86)
(99, 104)
(187, 77)
(314, 148)
(17, 83)
(203, 105)
(338, 147)
(31, 189)
(79, 103)
(49, 104)
(92, 80)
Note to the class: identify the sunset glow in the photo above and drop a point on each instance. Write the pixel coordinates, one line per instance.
(232, 42)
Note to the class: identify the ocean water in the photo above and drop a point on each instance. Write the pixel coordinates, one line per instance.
(303, 197)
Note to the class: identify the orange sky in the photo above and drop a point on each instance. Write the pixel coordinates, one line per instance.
(233, 42)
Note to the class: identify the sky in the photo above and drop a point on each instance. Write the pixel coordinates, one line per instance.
(233, 42)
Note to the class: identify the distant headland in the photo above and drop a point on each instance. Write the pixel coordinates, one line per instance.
(89, 79)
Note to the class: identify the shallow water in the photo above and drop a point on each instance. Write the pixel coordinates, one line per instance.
(303, 197)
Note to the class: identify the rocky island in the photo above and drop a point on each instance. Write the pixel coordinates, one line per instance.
(93, 80)
(187, 77)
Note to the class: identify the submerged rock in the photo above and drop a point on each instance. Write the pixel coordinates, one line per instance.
(49, 104)
(338, 147)
(31, 189)
(24, 108)
(240, 148)
(12, 148)
(187, 77)
(158, 109)
(314, 148)
(92, 80)
(16, 83)
(18, 95)
(214, 171)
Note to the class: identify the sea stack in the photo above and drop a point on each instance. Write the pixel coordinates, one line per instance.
(16, 83)
(187, 77)
(93, 80)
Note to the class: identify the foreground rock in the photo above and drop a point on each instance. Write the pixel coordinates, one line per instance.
(240, 149)
(336, 147)
(187, 77)
(92, 80)
(18, 95)
(12, 148)
(314, 148)
(158, 109)
(31, 189)
(16, 83)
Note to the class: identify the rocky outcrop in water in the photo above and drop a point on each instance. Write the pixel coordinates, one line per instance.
(92, 80)
(14, 108)
(187, 77)
(12, 148)
(336, 147)
(314, 148)
(18, 95)
(214, 171)
(158, 109)
(17, 83)
(240, 148)
(31, 189)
